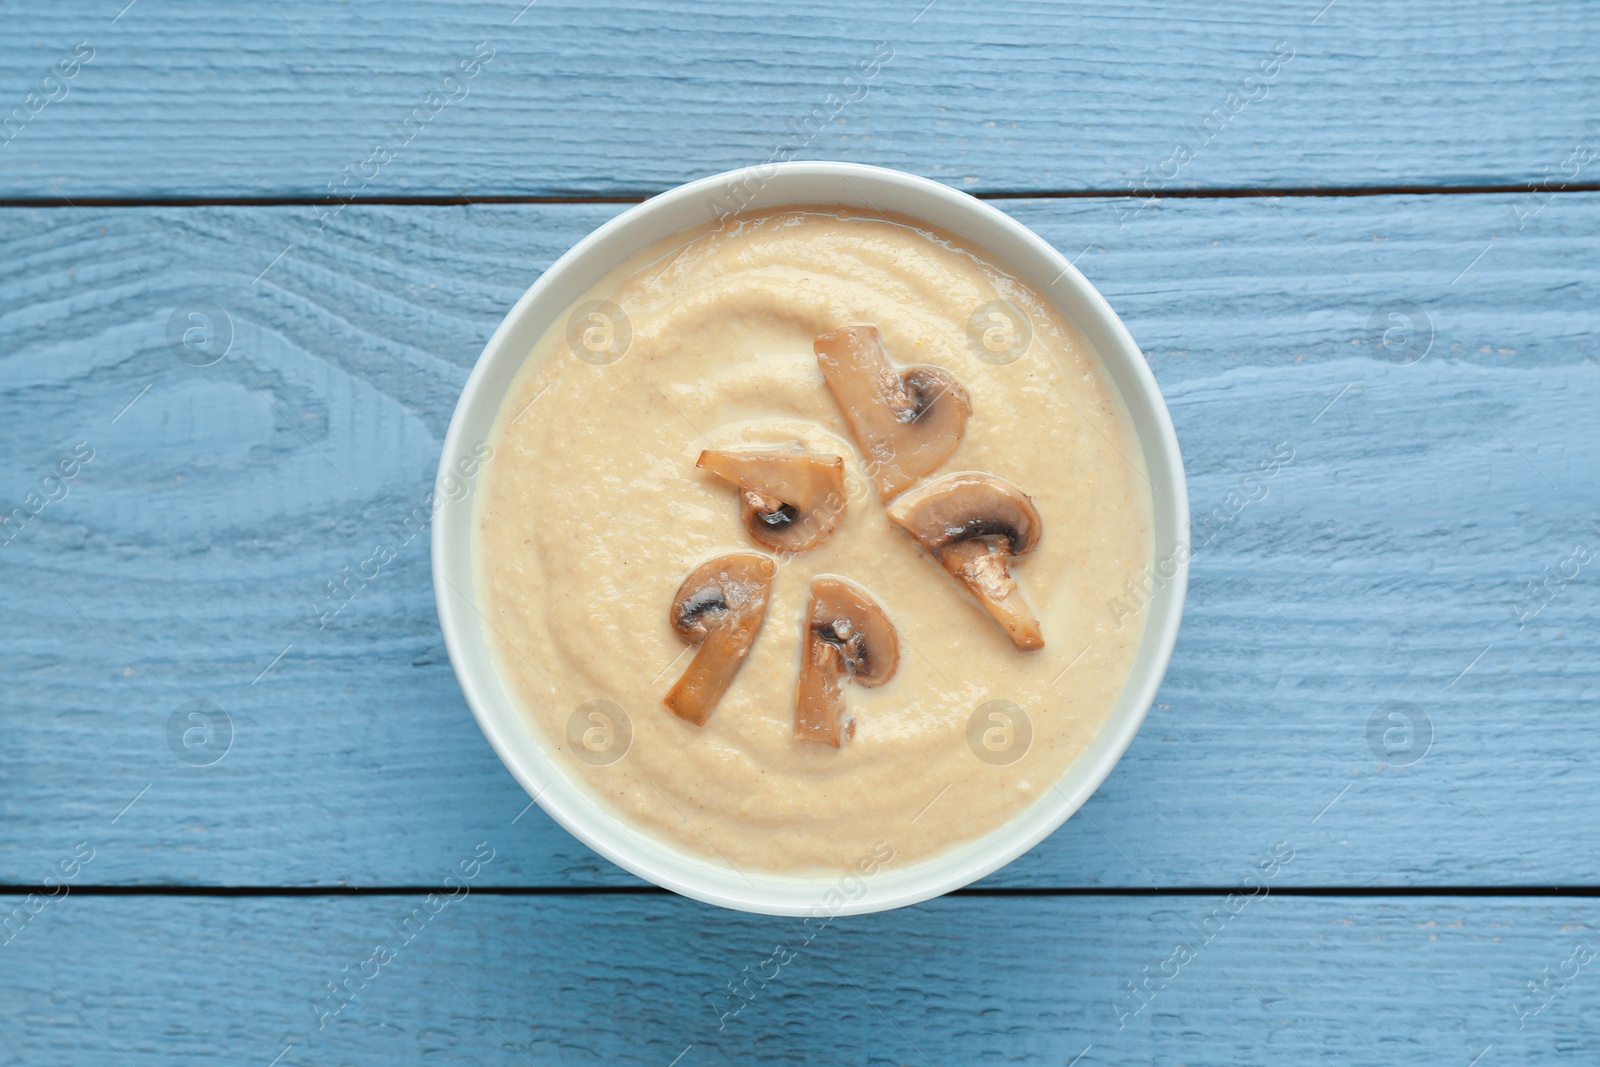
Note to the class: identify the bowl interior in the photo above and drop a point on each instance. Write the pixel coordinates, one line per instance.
(1010, 246)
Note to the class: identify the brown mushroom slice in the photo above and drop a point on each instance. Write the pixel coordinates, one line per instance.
(975, 525)
(848, 638)
(907, 420)
(790, 500)
(718, 607)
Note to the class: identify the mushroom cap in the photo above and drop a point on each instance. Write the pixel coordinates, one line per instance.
(907, 420)
(969, 504)
(843, 614)
(790, 500)
(729, 590)
(974, 524)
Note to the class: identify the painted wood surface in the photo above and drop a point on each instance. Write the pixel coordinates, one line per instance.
(280, 98)
(1366, 683)
(641, 980)
(1382, 570)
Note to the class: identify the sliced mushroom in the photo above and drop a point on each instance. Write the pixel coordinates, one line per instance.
(848, 638)
(907, 420)
(975, 525)
(718, 607)
(790, 500)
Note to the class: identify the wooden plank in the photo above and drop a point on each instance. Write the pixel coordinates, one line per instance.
(1387, 562)
(635, 96)
(489, 980)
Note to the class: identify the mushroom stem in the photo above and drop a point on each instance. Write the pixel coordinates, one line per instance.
(710, 673)
(849, 638)
(982, 568)
(819, 707)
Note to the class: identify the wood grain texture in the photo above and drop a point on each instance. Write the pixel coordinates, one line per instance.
(635, 96)
(1382, 565)
(641, 980)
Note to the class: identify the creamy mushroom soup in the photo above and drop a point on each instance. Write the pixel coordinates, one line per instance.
(751, 665)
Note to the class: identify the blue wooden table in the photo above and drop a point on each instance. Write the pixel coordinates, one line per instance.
(1361, 233)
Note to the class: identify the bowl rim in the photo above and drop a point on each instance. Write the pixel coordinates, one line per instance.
(569, 801)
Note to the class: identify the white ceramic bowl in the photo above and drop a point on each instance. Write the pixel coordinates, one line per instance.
(1009, 245)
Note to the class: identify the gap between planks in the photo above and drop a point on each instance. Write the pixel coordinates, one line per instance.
(1221, 193)
(1505, 891)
